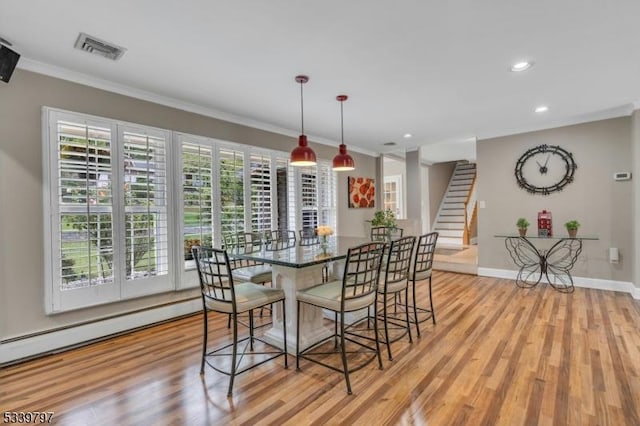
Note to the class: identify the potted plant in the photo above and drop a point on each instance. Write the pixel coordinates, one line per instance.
(522, 225)
(572, 228)
(384, 218)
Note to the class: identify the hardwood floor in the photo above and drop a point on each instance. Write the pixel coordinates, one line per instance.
(498, 355)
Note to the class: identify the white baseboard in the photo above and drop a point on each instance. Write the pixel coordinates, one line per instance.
(595, 283)
(17, 349)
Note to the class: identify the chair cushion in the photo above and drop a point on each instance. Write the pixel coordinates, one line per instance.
(329, 296)
(248, 296)
(256, 274)
(394, 286)
(422, 275)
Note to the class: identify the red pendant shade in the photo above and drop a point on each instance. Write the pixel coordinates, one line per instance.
(342, 161)
(302, 155)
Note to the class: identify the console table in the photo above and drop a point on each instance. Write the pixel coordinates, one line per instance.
(555, 263)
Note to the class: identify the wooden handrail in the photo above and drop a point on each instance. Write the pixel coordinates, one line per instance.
(466, 232)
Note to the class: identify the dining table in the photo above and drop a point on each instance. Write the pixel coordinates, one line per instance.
(295, 268)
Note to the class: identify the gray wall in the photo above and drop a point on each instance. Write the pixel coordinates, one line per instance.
(21, 209)
(602, 205)
(439, 177)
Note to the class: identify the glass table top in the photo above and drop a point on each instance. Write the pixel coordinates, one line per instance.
(301, 256)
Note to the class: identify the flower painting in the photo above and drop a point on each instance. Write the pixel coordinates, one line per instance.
(362, 192)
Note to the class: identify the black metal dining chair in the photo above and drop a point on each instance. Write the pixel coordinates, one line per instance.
(220, 294)
(355, 291)
(279, 240)
(422, 270)
(308, 237)
(385, 233)
(394, 280)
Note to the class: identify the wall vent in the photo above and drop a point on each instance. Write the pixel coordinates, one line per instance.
(96, 46)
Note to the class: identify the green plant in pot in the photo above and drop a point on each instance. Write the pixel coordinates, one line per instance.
(384, 218)
(572, 227)
(522, 225)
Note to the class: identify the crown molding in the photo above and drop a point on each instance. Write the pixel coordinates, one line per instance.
(132, 92)
(620, 111)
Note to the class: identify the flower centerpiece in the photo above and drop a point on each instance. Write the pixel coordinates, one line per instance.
(323, 232)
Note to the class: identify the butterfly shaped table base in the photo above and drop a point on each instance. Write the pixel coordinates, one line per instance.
(554, 263)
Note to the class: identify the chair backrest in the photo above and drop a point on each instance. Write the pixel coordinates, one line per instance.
(279, 239)
(361, 272)
(398, 260)
(425, 250)
(214, 272)
(308, 237)
(243, 242)
(385, 233)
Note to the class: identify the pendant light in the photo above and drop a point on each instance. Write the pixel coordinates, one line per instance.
(342, 161)
(302, 155)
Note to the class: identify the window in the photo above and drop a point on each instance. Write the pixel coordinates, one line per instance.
(392, 197)
(261, 201)
(232, 190)
(317, 200)
(122, 219)
(108, 211)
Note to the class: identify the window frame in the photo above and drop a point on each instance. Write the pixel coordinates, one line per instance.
(179, 275)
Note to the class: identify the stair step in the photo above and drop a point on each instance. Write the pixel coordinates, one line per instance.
(450, 219)
(452, 212)
(448, 205)
(461, 181)
(459, 226)
(451, 233)
(449, 241)
(455, 199)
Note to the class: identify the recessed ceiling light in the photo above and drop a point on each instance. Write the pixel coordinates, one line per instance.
(407, 136)
(542, 108)
(521, 66)
(389, 144)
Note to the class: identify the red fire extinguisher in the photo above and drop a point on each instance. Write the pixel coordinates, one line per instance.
(544, 224)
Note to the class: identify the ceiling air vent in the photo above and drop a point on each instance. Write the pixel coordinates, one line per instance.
(99, 47)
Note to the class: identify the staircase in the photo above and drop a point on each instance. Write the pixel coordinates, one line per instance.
(451, 216)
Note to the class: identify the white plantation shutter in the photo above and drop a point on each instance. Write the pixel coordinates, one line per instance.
(309, 197)
(284, 221)
(327, 189)
(81, 202)
(232, 207)
(123, 204)
(261, 201)
(145, 204)
(197, 174)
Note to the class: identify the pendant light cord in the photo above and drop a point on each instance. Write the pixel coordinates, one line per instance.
(342, 122)
(302, 106)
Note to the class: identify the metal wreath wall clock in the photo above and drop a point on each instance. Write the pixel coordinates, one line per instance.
(545, 169)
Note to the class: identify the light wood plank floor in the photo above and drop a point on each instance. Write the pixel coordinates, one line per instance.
(499, 355)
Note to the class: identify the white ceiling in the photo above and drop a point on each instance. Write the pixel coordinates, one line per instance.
(436, 69)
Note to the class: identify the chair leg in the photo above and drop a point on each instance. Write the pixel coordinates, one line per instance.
(433, 313)
(204, 339)
(335, 330)
(406, 312)
(284, 333)
(344, 354)
(415, 310)
(375, 329)
(386, 325)
(251, 329)
(297, 337)
(235, 354)
(229, 321)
